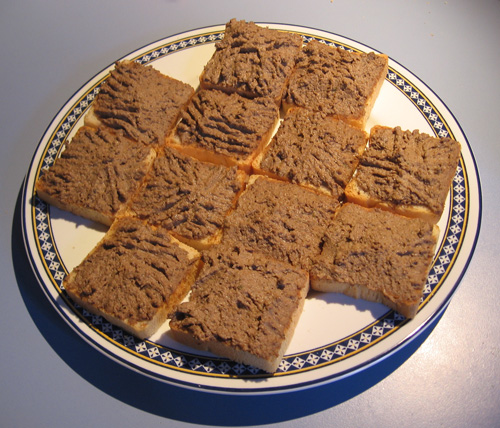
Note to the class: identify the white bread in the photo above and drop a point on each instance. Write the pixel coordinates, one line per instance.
(188, 197)
(244, 306)
(406, 172)
(225, 129)
(141, 101)
(252, 60)
(376, 255)
(139, 303)
(338, 82)
(280, 219)
(98, 171)
(313, 150)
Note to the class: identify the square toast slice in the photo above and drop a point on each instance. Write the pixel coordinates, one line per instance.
(225, 128)
(280, 219)
(313, 150)
(188, 197)
(134, 277)
(377, 256)
(243, 306)
(97, 173)
(337, 82)
(141, 101)
(252, 60)
(406, 172)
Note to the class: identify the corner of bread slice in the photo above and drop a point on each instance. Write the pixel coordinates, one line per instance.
(141, 330)
(373, 96)
(355, 195)
(258, 170)
(200, 244)
(91, 119)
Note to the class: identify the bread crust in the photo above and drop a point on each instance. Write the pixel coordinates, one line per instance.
(85, 212)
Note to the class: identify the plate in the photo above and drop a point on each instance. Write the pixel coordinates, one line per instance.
(336, 336)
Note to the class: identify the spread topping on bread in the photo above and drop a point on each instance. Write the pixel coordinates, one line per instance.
(244, 305)
(314, 150)
(134, 275)
(376, 255)
(336, 81)
(96, 174)
(405, 171)
(251, 60)
(142, 101)
(280, 219)
(227, 124)
(188, 197)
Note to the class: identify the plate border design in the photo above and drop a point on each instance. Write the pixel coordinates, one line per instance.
(219, 367)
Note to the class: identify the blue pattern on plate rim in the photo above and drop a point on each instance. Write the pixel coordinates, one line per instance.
(311, 359)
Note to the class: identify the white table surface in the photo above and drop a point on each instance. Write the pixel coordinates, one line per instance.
(50, 377)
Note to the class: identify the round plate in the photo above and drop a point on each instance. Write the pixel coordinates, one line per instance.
(336, 335)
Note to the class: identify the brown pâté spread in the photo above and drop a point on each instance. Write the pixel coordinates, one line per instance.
(98, 170)
(142, 101)
(230, 125)
(132, 272)
(311, 148)
(334, 80)
(242, 299)
(252, 60)
(377, 249)
(186, 196)
(408, 168)
(281, 219)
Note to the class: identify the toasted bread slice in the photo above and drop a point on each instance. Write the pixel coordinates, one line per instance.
(225, 129)
(252, 60)
(280, 219)
(337, 82)
(141, 101)
(406, 172)
(313, 150)
(376, 255)
(96, 174)
(134, 277)
(243, 306)
(188, 197)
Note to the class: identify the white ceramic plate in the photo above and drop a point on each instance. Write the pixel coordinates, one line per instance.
(336, 335)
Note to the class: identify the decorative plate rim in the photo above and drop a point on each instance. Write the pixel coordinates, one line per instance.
(190, 370)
